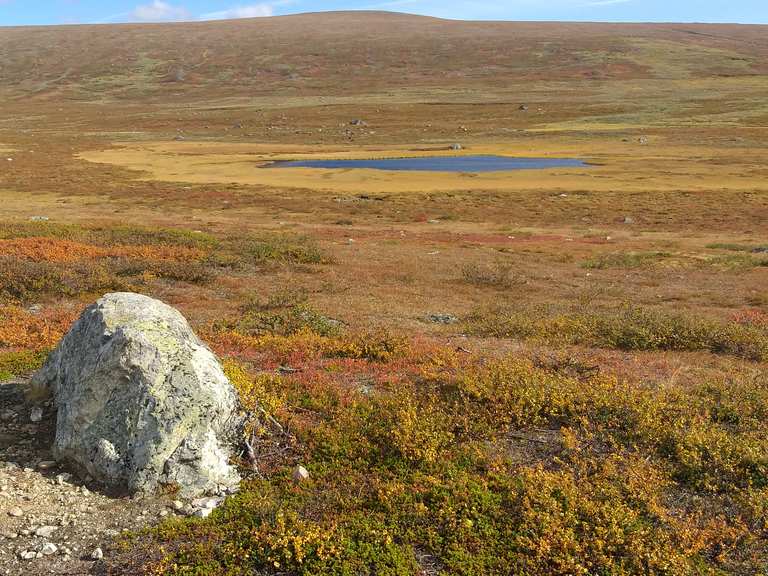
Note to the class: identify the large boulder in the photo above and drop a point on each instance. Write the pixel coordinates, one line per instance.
(141, 401)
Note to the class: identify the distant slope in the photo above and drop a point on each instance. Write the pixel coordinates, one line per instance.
(347, 52)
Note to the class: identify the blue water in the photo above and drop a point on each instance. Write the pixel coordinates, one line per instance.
(439, 163)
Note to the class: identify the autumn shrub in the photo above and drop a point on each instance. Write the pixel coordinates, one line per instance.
(625, 328)
(625, 260)
(277, 248)
(497, 274)
(636, 479)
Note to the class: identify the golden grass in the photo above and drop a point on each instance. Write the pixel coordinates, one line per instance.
(628, 166)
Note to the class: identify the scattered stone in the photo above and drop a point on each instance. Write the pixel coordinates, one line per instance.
(202, 512)
(178, 505)
(457, 147)
(36, 414)
(628, 220)
(28, 555)
(63, 478)
(358, 122)
(16, 512)
(39, 219)
(49, 548)
(141, 401)
(523, 108)
(300, 474)
(97, 554)
(45, 531)
(7, 414)
(442, 318)
(179, 138)
(47, 464)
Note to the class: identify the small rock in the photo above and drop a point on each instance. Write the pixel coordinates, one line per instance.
(442, 318)
(628, 220)
(28, 555)
(46, 464)
(36, 414)
(202, 512)
(45, 531)
(300, 474)
(16, 512)
(97, 554)
(7, 414)
(457, 146)
(63, 478)
(49, 548)
(39, 219)
(178, 505)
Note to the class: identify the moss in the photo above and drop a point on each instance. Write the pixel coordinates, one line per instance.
(20, 363)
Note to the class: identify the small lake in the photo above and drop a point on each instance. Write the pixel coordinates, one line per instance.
(439, 164)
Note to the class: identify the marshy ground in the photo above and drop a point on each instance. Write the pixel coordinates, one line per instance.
(559, 371)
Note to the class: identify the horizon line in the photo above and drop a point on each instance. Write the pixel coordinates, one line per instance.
(200, 20)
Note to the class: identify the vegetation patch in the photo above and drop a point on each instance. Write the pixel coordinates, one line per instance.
(428, 464)
(43, 259)
(625, 328)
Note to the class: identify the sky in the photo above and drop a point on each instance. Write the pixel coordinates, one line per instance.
(24, 12)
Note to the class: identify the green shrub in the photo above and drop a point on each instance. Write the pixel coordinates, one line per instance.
(626, 328)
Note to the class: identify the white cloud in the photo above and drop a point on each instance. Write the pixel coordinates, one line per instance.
(159, 11)
(249, 11)
(606, 2)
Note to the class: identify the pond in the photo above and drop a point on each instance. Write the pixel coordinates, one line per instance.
(439, 164)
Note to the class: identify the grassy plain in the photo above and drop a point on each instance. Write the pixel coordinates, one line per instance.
(599, 405)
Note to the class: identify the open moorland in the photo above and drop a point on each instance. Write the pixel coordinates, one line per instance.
(550, 372)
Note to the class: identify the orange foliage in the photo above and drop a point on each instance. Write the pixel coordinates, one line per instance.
(63, 251)
(20, 328)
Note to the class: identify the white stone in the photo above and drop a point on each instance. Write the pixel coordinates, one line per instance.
(49, 548)
(202, 512)
(300, 474)
(97, 554)
(45, 531)
(36, 414)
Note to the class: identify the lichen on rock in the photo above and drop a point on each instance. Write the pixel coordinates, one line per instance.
(141, 401)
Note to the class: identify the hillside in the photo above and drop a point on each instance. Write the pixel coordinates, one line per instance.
(358, 52)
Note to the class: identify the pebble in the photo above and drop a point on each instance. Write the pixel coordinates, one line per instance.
(49, 548)
(46, 464)
(36, 414)
(300, 474)
(202, 512)
(16, 512)
(62, 479)
(28, 555)
(97, 554)
(45, 531)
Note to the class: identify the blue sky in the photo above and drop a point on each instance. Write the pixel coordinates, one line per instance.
(14, 12)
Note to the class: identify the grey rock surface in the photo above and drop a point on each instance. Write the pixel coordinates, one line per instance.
(141, 401)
